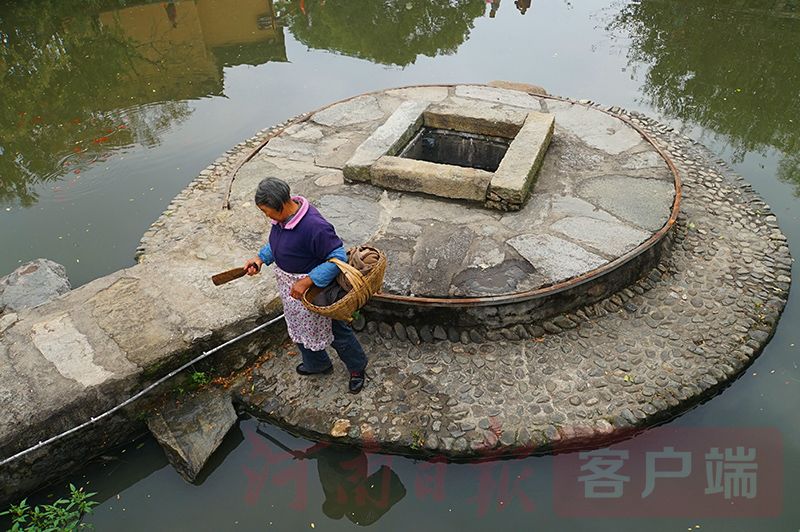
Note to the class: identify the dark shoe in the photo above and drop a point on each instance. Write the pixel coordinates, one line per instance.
(301, 369)
(357, 379)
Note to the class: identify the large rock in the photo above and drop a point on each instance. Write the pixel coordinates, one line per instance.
(191, 431)
(33, 284)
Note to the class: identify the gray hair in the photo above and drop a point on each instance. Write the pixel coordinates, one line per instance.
(272, 192)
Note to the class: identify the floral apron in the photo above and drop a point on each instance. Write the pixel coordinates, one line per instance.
(305, 327)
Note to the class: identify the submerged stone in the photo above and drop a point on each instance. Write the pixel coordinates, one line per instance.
(189, 432)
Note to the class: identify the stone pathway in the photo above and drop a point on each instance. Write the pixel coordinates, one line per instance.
(93, 347)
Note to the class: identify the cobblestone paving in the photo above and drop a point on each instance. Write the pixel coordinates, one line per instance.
(678, 335)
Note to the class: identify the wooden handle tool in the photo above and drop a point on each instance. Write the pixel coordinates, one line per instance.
(228, 276)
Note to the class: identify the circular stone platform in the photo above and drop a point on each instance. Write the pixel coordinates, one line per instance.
(678, 332)
(604, 196)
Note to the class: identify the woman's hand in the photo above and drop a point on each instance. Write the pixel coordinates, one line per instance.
(300, 286)
(253, 266)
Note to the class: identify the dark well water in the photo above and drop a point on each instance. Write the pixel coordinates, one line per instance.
(444, 146)
(108, 108)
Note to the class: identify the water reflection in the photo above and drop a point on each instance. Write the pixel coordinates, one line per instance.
(732, 66)
(82, 79)
(523, 5)
(494, 6)
(349, 490)
(390, 32)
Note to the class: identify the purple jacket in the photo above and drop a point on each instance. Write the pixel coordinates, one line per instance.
(302, 243)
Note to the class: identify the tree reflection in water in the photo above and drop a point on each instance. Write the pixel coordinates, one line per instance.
(731, 66)
(63, 105)
(80, 78)
(390, 32)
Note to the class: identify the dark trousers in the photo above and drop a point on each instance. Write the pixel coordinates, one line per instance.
(346, 345)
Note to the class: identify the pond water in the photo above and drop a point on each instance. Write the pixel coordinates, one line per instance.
(110, 107)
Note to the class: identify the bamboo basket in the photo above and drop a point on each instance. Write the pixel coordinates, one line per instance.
(364, 287)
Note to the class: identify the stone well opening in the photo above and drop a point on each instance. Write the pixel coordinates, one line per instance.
(457, 148)
(484, 155)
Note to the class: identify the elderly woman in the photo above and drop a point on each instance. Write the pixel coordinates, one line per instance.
(300, 243)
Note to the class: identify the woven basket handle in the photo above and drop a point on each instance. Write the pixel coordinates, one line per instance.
(356, 279)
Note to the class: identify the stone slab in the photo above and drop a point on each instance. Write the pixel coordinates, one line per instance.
(399, 252)
(7, 320)
(425, 210)
(354, 111)
(597, 129)
(500, 95)
(611, 238)
(471, 116)
(554, 257)
(646, 203)
(335, 149)
(387, 139)
(356, 219)
(305, 132)
(486, 253)
(289, 148)
(517, 171)
(330, 179)
(148, 333)
(441, 180)
(69, 350)
(511, 275)
(520, 87)
(438, 256)
(647, 160)
(427, 94)
(563, 206)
